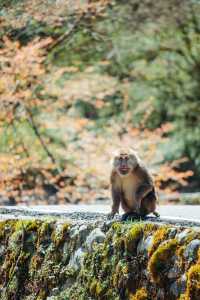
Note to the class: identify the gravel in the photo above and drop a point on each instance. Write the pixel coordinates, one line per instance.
(88, 213)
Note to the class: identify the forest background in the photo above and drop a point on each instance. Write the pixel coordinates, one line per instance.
(79, 79)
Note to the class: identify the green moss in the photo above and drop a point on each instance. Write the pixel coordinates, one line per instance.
(92, 287)
(98, 289)
(33, 254)
(150, 227)
(6, 227)
(44, 232)
(37, 259)
(141, 294)
(12, 287)
(41, 295)
(35, 263)
(182, 297)
(180, 253)
(193, 283)
(120, 274)
(2, 229)
(183, 263)
(198, 256)
(59, 234)
(28, 225)
(159, 236)
(133, 236)
(117, 227)
(160, 260)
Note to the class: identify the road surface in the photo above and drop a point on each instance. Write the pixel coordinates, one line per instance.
(170, 213)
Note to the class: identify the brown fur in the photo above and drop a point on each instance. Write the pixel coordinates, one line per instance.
(135, 191)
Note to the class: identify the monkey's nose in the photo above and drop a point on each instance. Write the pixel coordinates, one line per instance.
(124, 166)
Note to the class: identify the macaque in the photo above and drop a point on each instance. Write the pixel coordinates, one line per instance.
(131, 184)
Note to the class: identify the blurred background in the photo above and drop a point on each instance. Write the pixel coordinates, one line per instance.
(79, 79)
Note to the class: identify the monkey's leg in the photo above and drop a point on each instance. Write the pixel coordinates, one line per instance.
(148, 204)
(141, 193)
(130, 213)
(116, 198)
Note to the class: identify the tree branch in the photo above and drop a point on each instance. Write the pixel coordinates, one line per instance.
(67, 34)
(37, 133)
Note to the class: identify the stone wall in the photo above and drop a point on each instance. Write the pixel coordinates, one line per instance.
(54, 259)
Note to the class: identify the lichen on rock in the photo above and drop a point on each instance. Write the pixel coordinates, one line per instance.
(51, 259)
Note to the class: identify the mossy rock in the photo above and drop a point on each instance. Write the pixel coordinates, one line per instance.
(36, 261)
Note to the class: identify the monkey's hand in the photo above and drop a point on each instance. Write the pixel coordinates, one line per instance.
(112, 214)
(156, 214)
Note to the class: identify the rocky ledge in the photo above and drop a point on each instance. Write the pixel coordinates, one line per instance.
(71, 258)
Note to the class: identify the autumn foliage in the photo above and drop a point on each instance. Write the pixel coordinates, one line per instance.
(57, 137)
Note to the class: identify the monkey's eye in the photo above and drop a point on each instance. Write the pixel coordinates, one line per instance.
(126, 158)
(120, 158)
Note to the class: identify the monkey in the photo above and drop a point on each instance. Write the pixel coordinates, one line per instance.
(132, 185)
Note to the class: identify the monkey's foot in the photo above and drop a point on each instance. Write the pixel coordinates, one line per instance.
(156, 214)
(131, 216)
(111, 215)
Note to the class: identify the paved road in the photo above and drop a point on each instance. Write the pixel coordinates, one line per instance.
(189, 212)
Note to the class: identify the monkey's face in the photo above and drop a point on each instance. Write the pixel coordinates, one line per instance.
(124, 163)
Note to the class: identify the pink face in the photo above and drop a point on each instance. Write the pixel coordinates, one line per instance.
(124, 163)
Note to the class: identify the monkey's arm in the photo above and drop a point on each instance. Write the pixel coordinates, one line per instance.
(141, 192)
(145, 187)
(116, 193)
(116, 198)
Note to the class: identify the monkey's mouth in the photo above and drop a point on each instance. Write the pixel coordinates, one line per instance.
(124, 170)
